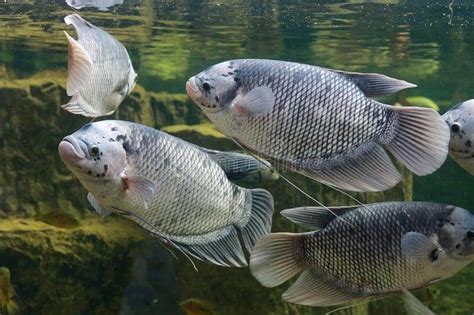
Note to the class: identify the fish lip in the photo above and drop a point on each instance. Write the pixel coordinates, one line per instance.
(192, 89)
(70, 149)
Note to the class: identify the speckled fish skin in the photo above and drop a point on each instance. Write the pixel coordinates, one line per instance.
(361, 254)
(193, 202)
(99, 86)
(101, 5)
(321, 123)
(461, 124)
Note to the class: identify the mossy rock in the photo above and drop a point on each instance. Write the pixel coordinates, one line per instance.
(69, 271)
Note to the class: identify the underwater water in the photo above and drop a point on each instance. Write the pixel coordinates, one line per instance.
(63, 259)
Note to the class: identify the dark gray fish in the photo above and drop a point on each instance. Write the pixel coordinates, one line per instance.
(321, 122)
(461, 123)
(100, 72)
(367, 252)
(174, 189)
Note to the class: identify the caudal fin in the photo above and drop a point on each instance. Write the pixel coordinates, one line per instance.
(422, 138)
(273, 259)
(260, 220)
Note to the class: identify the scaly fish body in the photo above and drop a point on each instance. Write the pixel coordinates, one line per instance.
(102, 5)
(461, 123)
(100, 72)
(320, 122)
(172, 188)
(368, 251)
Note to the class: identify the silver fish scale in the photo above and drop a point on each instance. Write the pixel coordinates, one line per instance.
(193, 195)
(318, 114)
(363, 254)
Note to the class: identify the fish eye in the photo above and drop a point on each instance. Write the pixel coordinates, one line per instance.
(94, 151)
(206, 86)
(455, 127)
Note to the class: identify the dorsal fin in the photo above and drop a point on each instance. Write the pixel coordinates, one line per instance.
(374, 84)
(315, 217)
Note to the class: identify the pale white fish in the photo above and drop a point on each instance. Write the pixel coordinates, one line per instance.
(461, 145)
(177, 191)
(101, 5)
(100, 72)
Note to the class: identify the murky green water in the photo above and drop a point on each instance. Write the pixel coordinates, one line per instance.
(63, 260)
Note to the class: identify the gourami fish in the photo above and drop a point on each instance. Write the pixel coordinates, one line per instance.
(321, 122)
(461, 123)
(366, 252)
(177, 191)
(101, 5)
(100, 73)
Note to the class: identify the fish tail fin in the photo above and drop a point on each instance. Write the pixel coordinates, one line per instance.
(259, 222)
(274, 258)
(422, 138)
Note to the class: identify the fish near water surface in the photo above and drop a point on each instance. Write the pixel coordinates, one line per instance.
(176, 190)
(101, 5)
(321, 122)
(366, 252)
(461, 123)
(100, 72)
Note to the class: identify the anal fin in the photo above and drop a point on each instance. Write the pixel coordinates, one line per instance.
(310, 289)
(368, 169)
(221, 247)
(77, 105)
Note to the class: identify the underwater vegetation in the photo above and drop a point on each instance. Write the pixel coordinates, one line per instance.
(7, 293)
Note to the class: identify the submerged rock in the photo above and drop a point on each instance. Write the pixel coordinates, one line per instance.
(7, 294)
(79, 270)
(197, 307)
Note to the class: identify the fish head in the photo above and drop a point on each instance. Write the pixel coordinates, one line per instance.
(456, 235)
(460, 120)
(118, 92)
(94, 156)
(215, 88)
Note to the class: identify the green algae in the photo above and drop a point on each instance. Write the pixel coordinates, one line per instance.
(8, 305)
(74, 270)
(420, 101)
(206, 129)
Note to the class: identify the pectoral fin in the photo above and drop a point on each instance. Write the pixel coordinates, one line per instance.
(417, 246)
(140, 187)
(258, 101)
(414, 306)
(79, 66)
(96, 205)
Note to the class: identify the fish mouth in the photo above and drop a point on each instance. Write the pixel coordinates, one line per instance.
(192, 88)
(70, 149)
